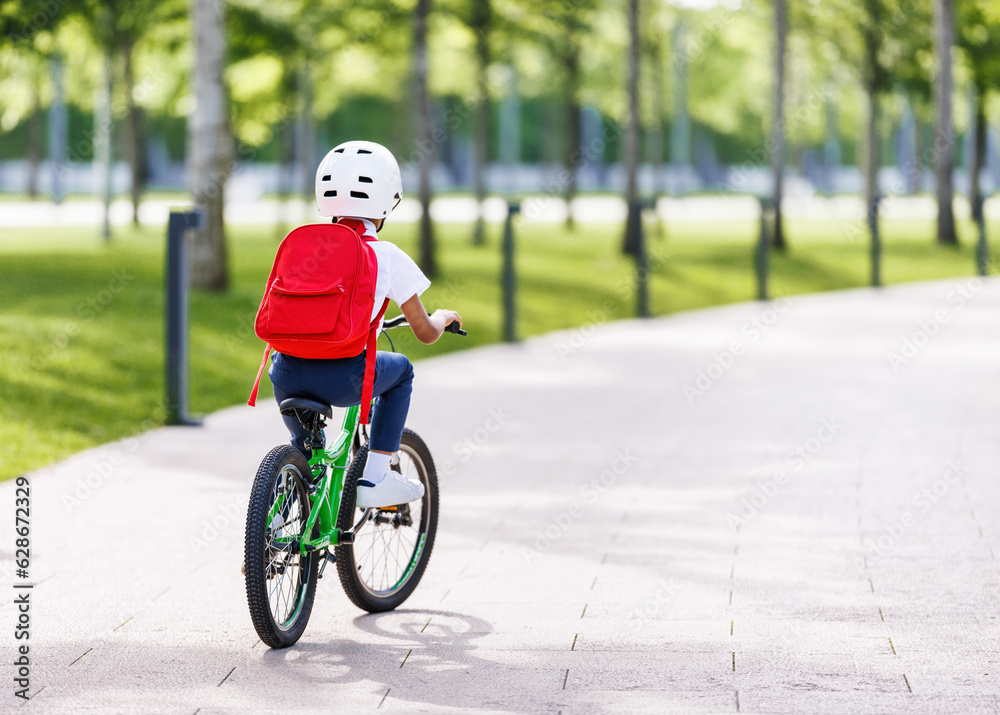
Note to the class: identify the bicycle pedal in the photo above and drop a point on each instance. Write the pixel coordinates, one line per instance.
(330, 558)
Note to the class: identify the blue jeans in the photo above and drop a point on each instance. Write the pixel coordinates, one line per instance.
(338, 383)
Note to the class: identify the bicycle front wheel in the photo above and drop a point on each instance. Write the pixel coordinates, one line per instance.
(391, 549)
(280, 581)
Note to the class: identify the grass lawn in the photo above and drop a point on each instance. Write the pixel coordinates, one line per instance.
(82, 329)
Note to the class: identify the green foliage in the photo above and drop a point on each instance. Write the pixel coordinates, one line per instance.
(354, 60)
(978, 34)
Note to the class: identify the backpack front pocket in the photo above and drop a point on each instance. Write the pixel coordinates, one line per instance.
(303, 310)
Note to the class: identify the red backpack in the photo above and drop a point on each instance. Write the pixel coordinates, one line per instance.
(319, 299)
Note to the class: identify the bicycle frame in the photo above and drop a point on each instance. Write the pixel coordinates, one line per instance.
(326, 496)
(331, 463)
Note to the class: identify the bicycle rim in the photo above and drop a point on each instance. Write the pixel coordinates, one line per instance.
(285, 572)
(386, 552)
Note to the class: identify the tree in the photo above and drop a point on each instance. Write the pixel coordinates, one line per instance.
(874, 79)
(268, 56)
(117, 26)
(480, 21)
(209, 145)
(634, 217)
(562, 28)
(28, 30)
(571, 147)
(102, 142)
(979, 38)
(655, 47)
(135, 133)
(425, 139)
(880, 40)
(571, 22)
(944, 38)
(34, 135)
(778, 128)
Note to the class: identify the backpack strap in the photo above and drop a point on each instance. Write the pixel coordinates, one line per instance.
(358, 226)
(256, 385)
(369, 384)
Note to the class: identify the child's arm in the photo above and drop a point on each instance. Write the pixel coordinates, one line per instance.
(427, 328)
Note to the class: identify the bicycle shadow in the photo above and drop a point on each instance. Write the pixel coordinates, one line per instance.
(406, 651)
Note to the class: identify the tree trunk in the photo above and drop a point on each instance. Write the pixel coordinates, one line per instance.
(425, 140)
(872, 38)
(305, 142)
(659, 110)
(57, 132)
(659, 126)
(906, 160)
(778, 138)
(944, 143)
(831, 147)
(134, 139)
(102, 143)
(571, 149)
(34, 139)
(631, 243)
(978, 156)
(680, 128)
(509, 144)
(871, 181)
(209, 145)
(481, 27)
(286, 179)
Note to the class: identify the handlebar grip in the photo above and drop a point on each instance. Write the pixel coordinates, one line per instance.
(454, 327)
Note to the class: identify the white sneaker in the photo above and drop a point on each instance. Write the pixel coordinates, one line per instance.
(392, 490)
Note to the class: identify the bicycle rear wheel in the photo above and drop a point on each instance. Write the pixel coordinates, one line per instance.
(280, 581)
(390, 551)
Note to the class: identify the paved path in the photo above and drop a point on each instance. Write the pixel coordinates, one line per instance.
(753, 509)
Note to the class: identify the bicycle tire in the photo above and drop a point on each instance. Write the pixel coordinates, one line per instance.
(279, 615)
(351, 560)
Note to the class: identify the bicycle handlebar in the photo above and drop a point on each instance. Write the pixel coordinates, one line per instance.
(400, 320)
(397, 322)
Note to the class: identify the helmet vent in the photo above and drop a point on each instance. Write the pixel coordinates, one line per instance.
(339, 151)
(326, 178)
(365, 179)
(359, 195)
(330, 194)
(364, 151)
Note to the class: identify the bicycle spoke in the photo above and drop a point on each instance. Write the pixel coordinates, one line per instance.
(384, 553)
(284, 566)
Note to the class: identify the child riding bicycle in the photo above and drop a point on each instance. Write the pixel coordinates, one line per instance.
(358, 184)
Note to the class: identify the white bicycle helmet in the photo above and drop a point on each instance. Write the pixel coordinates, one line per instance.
(359, 179)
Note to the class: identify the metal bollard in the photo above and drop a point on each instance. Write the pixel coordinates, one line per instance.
(762, 254)
(177, 314)
(876, 241)
(982, 245)
(509, 277)
(641, 260)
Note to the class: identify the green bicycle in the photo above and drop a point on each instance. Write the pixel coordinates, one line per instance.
(302, 516)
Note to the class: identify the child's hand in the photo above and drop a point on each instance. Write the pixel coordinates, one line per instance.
(428, 328)
(447, 317)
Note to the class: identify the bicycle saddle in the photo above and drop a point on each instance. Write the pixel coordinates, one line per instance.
(289, 406)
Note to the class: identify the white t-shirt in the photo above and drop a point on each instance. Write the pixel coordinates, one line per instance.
(399, 278)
